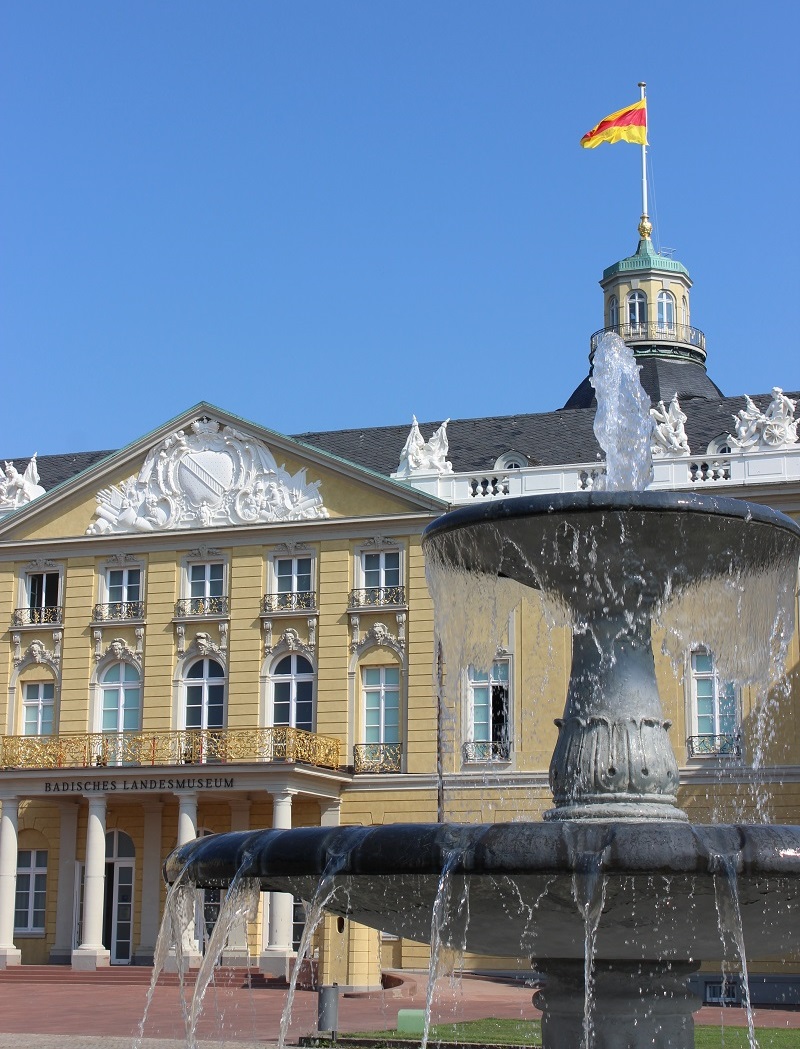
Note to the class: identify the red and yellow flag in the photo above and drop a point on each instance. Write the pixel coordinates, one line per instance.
(626, 125)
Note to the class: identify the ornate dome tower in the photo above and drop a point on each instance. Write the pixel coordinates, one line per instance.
(646, 302)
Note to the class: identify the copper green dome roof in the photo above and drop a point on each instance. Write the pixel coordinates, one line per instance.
(645, 258)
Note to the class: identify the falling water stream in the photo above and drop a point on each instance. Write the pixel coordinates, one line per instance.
(315, 911)
(729, 915)
(239, 906)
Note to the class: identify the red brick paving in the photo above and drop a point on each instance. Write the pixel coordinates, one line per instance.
(234, 1012)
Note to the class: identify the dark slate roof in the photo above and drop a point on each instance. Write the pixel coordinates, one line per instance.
(53, 469)
(545, 439)
(661, 380)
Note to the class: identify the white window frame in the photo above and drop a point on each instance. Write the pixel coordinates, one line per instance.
(203, 681)
(383, 588)
(613, 312)
(39, 703)
(638, 299)
(666, 311)
(36, 612)
(273, 579)
(717, 688)
(122, 687)
(126, 599)
(29, 891)
(491, 749)
(186, 587)
(380, 689)
(293, 680)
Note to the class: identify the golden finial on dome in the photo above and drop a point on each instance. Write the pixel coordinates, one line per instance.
(645, 227)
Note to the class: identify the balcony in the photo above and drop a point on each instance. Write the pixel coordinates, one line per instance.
(377, 757)
(183, 747)
(300, 601)
(50, 615)
(682, 339)
(726, 745)
(118, 611)
(377, 597)
(197, 607)
(488, 750)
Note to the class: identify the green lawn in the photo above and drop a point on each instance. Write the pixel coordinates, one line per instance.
(529, 1033)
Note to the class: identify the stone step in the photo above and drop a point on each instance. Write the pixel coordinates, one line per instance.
(120, 975)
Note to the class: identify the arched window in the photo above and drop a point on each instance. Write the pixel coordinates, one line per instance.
(613, 312)
(684, 310)
(666, 311)
(122, 699)
(205, 695)
(38, 706)
(293, 692)
(637, 309)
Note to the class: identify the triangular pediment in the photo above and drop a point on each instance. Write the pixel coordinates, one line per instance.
(208, 469)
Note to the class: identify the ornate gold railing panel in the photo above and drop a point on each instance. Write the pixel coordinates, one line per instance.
(377, 757)
(183, 747)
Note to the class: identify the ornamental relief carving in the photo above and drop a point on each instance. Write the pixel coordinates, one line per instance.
(205, 476)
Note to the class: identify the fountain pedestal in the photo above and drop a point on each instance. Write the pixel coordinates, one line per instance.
(617, 1018)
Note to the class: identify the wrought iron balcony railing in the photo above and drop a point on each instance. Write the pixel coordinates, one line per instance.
(377, 757)
(116, 611)
(652, 331)
(49, 614)
(725, 745)
(486, 750)
(377, 597)
(201, 606)
(183, 747)
(300, 601)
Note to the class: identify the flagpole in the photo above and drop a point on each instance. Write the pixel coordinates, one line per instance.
(645, 226)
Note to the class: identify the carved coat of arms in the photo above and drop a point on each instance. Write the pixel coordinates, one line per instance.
(205, 476)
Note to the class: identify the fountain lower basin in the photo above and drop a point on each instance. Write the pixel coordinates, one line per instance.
(659, 882)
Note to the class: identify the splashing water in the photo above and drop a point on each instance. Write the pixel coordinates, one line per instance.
(178, 912)
(729, 916)
(326, 891)
(447, 923)
(622, 425)
(240, 904)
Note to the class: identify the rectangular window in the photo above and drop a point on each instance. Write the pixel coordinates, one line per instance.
(381, 704)
(715, 710)
(38, 706)
(381, 580)
(489, 713)
(206, 580)
(205, 590)
(292, 585)
(124, 585)
(29, 905)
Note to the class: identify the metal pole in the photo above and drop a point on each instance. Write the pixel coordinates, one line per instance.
(642, 86)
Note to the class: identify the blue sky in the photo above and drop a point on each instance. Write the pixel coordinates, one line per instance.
(335, 213)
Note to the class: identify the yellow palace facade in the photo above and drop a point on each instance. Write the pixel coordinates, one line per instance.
(220, 628)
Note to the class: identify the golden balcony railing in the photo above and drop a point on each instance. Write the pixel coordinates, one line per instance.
(43, 615)
(183, 747)
(377, 757)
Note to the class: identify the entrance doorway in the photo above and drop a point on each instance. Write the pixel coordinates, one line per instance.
(118, 910)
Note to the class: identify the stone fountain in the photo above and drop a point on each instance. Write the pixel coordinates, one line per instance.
(616, 897)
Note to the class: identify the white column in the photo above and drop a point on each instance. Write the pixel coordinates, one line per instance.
(61, 952)
(236, 950)
(91, 954)
(278, 955)
(187, 818)
(187, 831)
(9, 823)
(150, 907)
(329, 812)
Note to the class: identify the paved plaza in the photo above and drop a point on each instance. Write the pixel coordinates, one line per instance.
(70, 1014)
